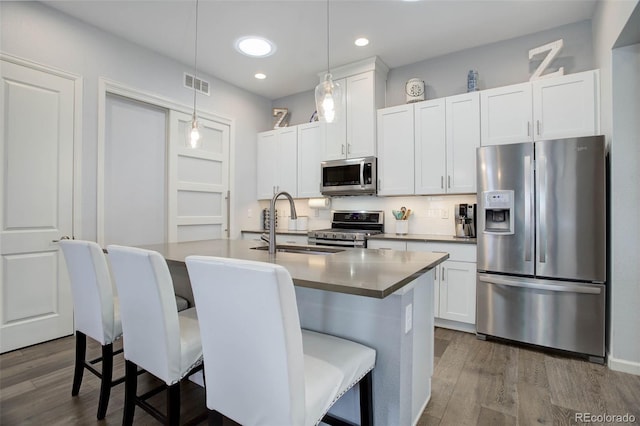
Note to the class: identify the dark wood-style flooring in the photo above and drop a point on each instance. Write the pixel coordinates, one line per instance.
(474, 383)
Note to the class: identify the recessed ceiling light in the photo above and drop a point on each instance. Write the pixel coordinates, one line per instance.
(260, 76)
(257, 47)
(361, 42)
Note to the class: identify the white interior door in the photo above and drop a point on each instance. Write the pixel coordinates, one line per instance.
(198, 181)
(36, 204)
(135, 188)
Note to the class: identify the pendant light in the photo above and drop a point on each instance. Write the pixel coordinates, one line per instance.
(194, 132)
(328, 93)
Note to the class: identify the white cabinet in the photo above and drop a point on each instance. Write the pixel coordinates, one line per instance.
(277, 162)
(455, 280)
(457, 291)
(441, 135)
(395, 150)
(430, 147)
(352, 135)
(506, 114)
(548, 108)
(567, 106)
(463, 137)
(311, 142)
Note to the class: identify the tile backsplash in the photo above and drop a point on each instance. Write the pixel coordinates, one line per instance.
(431, 214)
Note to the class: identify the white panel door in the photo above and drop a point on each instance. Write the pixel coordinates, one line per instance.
(463, 137)
(567, 106)
(361, 115)
(395, 150)
(198, 181)
(506, 114)
(135, 168)
(311, 139)
(430, 147)
(36, 204)
(458, 291)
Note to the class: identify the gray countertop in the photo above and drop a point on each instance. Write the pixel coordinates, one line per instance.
(427, 238)
(364, 272)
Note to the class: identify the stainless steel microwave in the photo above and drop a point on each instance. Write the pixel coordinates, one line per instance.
(352, 176)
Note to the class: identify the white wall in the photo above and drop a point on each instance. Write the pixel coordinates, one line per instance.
(619, 112)
(498, 64)
(38, 33)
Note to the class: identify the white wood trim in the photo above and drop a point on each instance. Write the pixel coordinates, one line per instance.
(623, 365)
(78, 89)
(106, 86)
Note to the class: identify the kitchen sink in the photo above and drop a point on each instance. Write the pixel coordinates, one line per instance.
(285, 248)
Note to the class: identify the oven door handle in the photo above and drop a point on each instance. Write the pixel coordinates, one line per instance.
(315, 242)
(362, 174)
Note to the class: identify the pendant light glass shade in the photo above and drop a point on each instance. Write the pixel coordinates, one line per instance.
(328, 99)
(328, 92)
(194, 133)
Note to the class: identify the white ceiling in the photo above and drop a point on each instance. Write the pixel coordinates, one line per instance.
(401, 32)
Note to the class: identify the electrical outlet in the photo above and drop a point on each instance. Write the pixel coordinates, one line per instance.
(408, 318)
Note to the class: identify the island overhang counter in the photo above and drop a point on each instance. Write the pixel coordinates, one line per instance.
(380, 298)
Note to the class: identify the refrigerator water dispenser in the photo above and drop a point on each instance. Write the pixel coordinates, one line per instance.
(499, 212)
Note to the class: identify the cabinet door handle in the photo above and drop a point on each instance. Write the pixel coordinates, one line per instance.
(538, 126)
(442, 277)
(528, 128)
(348, 148)
(342, 149)
(449, 181)
(436, 276)
(441, 182)
(379, 184)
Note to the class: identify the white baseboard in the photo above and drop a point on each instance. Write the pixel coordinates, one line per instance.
(455, 325)
(623, 365)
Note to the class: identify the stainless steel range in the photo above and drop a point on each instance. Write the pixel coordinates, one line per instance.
(349, 228)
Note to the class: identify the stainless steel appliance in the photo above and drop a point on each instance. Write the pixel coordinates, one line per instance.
(349, 229)
(465, 217)
(352, 176)
(542, 244)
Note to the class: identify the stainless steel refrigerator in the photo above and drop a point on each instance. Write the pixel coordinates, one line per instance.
(542, 244)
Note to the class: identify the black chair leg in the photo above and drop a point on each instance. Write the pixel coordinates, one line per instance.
(130, 389)
(105, 385)
(366, 400)
(215, 418)
(81, 352)
(173, 404)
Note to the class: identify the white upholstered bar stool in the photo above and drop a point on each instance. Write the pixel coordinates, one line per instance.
(157, 338)
(95, 312)
(260, 367)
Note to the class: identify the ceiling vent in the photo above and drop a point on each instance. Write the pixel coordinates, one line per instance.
(191, 82)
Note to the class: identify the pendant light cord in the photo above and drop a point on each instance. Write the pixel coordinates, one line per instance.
(195, 62)
(328, 69)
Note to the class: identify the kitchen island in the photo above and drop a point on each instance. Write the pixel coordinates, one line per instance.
(380, 298)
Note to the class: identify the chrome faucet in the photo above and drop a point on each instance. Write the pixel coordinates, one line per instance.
(272, 220)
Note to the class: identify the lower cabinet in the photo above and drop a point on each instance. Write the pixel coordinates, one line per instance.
(455, 279)
(457, 291)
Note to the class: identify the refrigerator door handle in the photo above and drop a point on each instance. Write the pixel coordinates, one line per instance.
(542, 212)
(528, 230)
(564, 287)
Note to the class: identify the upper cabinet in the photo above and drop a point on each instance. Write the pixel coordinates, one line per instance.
(395, 149)
(277, 162)
(311, 140)
(441, 135)
(463, 137)
(353, 134)
(548, 108)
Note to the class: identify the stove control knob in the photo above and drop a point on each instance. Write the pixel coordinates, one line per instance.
(353, 237)
(344, 236)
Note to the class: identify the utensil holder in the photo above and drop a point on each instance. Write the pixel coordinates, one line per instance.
(402, 227)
